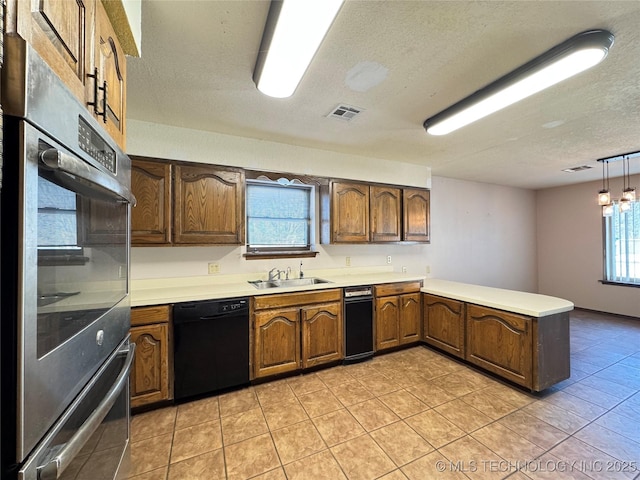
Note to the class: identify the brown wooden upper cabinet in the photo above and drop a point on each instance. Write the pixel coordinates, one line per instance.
(61, 32)
(349, 212)
(363, 213)
(151, 216)
(208, 205)
(188, 204)
(109, 68)
(385, 205)
(76, 39)
(416, 212)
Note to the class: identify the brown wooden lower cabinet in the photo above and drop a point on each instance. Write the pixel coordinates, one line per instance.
(500, 342)
(296, 330)
(150, 373)
(444, 324)
(276, 341)
(530, 351)
(322, 334)
(398, 317)
(410, 315)
(387, 322)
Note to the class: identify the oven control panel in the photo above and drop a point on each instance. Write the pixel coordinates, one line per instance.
(93, 144)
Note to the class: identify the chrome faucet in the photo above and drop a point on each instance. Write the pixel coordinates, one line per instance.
(301, 272)
(276, 275)
(288, 273)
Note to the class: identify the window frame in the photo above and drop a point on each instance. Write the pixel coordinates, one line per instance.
(278, 251)
(609, 270)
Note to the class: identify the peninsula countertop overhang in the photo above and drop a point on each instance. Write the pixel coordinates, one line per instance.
(530, 304)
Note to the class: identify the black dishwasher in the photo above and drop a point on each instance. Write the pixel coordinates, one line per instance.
(211, 346)
(358, 324)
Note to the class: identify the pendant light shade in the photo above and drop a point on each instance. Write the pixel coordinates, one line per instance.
(607, 210)
(565, 60)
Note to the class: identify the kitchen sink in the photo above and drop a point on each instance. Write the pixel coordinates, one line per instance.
(294, 282)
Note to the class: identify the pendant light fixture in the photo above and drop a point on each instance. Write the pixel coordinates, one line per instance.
(292, 34)
(604, 195)
(565, 60)
(629, 192)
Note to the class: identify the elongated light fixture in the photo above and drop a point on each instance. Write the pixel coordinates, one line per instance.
(569, 58)
(293, 32)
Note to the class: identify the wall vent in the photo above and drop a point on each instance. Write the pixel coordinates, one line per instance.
(577, 169)
(345, 112)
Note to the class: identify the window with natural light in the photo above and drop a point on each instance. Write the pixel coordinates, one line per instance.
(279, 216)
(622, 245)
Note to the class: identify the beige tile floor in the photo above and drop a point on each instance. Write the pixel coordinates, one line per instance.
(412, 414)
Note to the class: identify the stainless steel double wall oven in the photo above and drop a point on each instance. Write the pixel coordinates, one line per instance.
(65, 353)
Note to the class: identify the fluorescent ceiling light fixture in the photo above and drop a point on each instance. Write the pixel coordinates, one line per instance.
(293, 32)
(571, 57)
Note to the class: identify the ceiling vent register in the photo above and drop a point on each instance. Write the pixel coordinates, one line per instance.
(345, 112)
(577, 169)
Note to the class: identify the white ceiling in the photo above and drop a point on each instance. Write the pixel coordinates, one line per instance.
(198, 57)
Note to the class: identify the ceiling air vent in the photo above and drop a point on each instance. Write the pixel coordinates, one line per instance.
(577, 169)
(345, 112)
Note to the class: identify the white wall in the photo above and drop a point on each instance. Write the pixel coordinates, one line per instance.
(483, 234)
(570, 249)
(163, 141)
(480, 233)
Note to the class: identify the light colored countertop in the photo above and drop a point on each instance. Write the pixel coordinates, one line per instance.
(531, 304)
(161, 291)
(172, 290)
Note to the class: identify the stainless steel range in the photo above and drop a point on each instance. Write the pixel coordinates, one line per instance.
(65, 353)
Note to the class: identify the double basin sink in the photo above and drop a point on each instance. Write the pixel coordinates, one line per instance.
(294, 282)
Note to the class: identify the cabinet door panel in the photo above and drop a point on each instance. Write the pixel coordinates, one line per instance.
(110, 61)
(387, 322)
(444, 324)
(501, 342)
(276, 341)
(410, 316)
(416, 207)
(151, 217)
(322, 334)
(350, 212)
(57, 30)
(208, 205)
(385, 214)
(150, 372)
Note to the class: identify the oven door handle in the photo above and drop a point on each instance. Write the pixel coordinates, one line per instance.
(57, 465)
(54, 159)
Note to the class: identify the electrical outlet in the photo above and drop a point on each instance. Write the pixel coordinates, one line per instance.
(428, 269)
(388, 258)
(347, 261)
(214, 268)
(404, 269)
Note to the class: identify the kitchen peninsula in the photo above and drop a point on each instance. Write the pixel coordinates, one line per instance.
(521, 337)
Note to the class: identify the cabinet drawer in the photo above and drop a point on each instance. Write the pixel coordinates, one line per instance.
(148, 315)
(396, 288)
(298, 298)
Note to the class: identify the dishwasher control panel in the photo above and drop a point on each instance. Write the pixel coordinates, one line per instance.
(232, 306)
(362, 291)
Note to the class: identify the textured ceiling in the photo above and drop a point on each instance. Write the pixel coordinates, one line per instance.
(402, 62)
